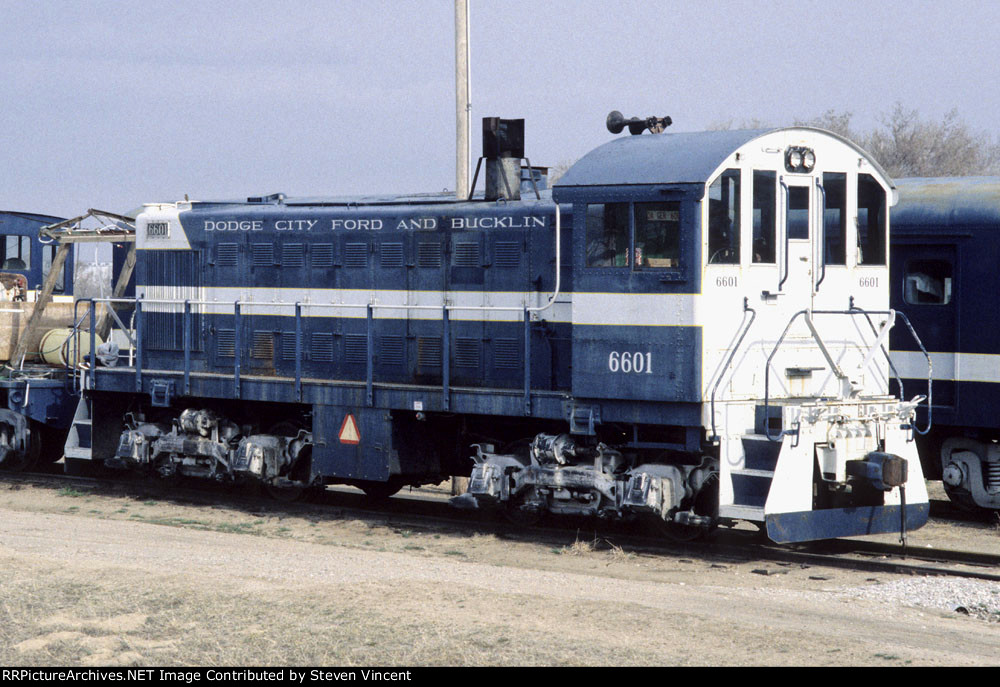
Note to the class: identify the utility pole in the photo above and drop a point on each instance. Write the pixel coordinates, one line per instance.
(463, 97)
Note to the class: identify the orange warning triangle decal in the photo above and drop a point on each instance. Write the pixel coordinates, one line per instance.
(349, 431)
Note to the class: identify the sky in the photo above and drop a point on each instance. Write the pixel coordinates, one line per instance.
(113, 104)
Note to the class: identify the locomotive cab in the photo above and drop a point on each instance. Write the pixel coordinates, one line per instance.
(739, 280)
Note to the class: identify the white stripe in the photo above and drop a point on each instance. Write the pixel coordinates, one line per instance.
(352, 303)
(957, 367)
(635, 309)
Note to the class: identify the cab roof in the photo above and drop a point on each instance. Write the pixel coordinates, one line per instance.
(671, 158)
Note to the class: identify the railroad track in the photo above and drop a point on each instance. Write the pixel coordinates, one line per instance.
(422, 510)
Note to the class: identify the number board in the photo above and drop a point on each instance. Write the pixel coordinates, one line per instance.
(158, 230)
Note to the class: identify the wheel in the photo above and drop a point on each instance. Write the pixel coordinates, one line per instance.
(286, 494)
(18, 461)
(522, 517)
(706, 503)
(380, 491)
(291, 493)
(963, 500)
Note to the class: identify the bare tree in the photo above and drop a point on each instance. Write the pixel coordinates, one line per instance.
(558, 170)
(906, 145)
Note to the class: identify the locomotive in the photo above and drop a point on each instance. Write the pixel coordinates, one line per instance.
(944, 250)
(688, 328)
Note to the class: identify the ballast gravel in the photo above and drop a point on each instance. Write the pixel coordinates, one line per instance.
(977, 598)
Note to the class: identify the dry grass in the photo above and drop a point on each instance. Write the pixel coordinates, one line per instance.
(54, 617)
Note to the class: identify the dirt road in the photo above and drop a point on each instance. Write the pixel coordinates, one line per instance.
(104, 579)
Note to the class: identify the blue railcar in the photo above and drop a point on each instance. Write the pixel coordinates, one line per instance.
(945, 249)
(685, 328)
(36, 403)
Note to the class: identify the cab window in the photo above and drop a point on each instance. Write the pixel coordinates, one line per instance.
(835, 218)
(16, 253)
(764, 184)
(607, 235)
(48, 255)
(724, 219)
(657, 234)
(797, 215)
(871, 221)
(656, 242)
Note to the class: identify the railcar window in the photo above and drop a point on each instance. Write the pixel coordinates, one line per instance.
(607, 235)
(16, 253)
(835, 218)
(871, 221)
(927, 282)
(797, 216)
(657, 234)
(48, 255)
(724, 219)
(764, 184)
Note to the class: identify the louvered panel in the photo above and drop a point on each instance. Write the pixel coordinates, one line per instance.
(225, 343)
(288, 345)
(227, 255)
(429, 254)
(356, 349)
(466, 254)
(321, 348)
(508, 254)
(262, 254)
(507, 354)
(390, 350)
(356, 255)
(467, 352)
(321, 255)
(391, 255)
(293, 255)
(263, 346)
(429, 351)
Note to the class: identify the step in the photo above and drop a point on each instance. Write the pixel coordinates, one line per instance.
(751, 487)
(78, 441)
(741, 512)
(760, 453)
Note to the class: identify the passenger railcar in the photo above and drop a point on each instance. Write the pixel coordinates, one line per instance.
(945, 249)
(688, 328)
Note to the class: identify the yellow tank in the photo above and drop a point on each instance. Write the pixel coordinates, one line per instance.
(59, 346)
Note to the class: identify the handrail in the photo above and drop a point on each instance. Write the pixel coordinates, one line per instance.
(784, 224)
(930, 364)
(729, 360)
(821, 233)
(878, 344)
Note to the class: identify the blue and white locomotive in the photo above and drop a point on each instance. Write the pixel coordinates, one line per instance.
(945, 252)
(689, 328)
